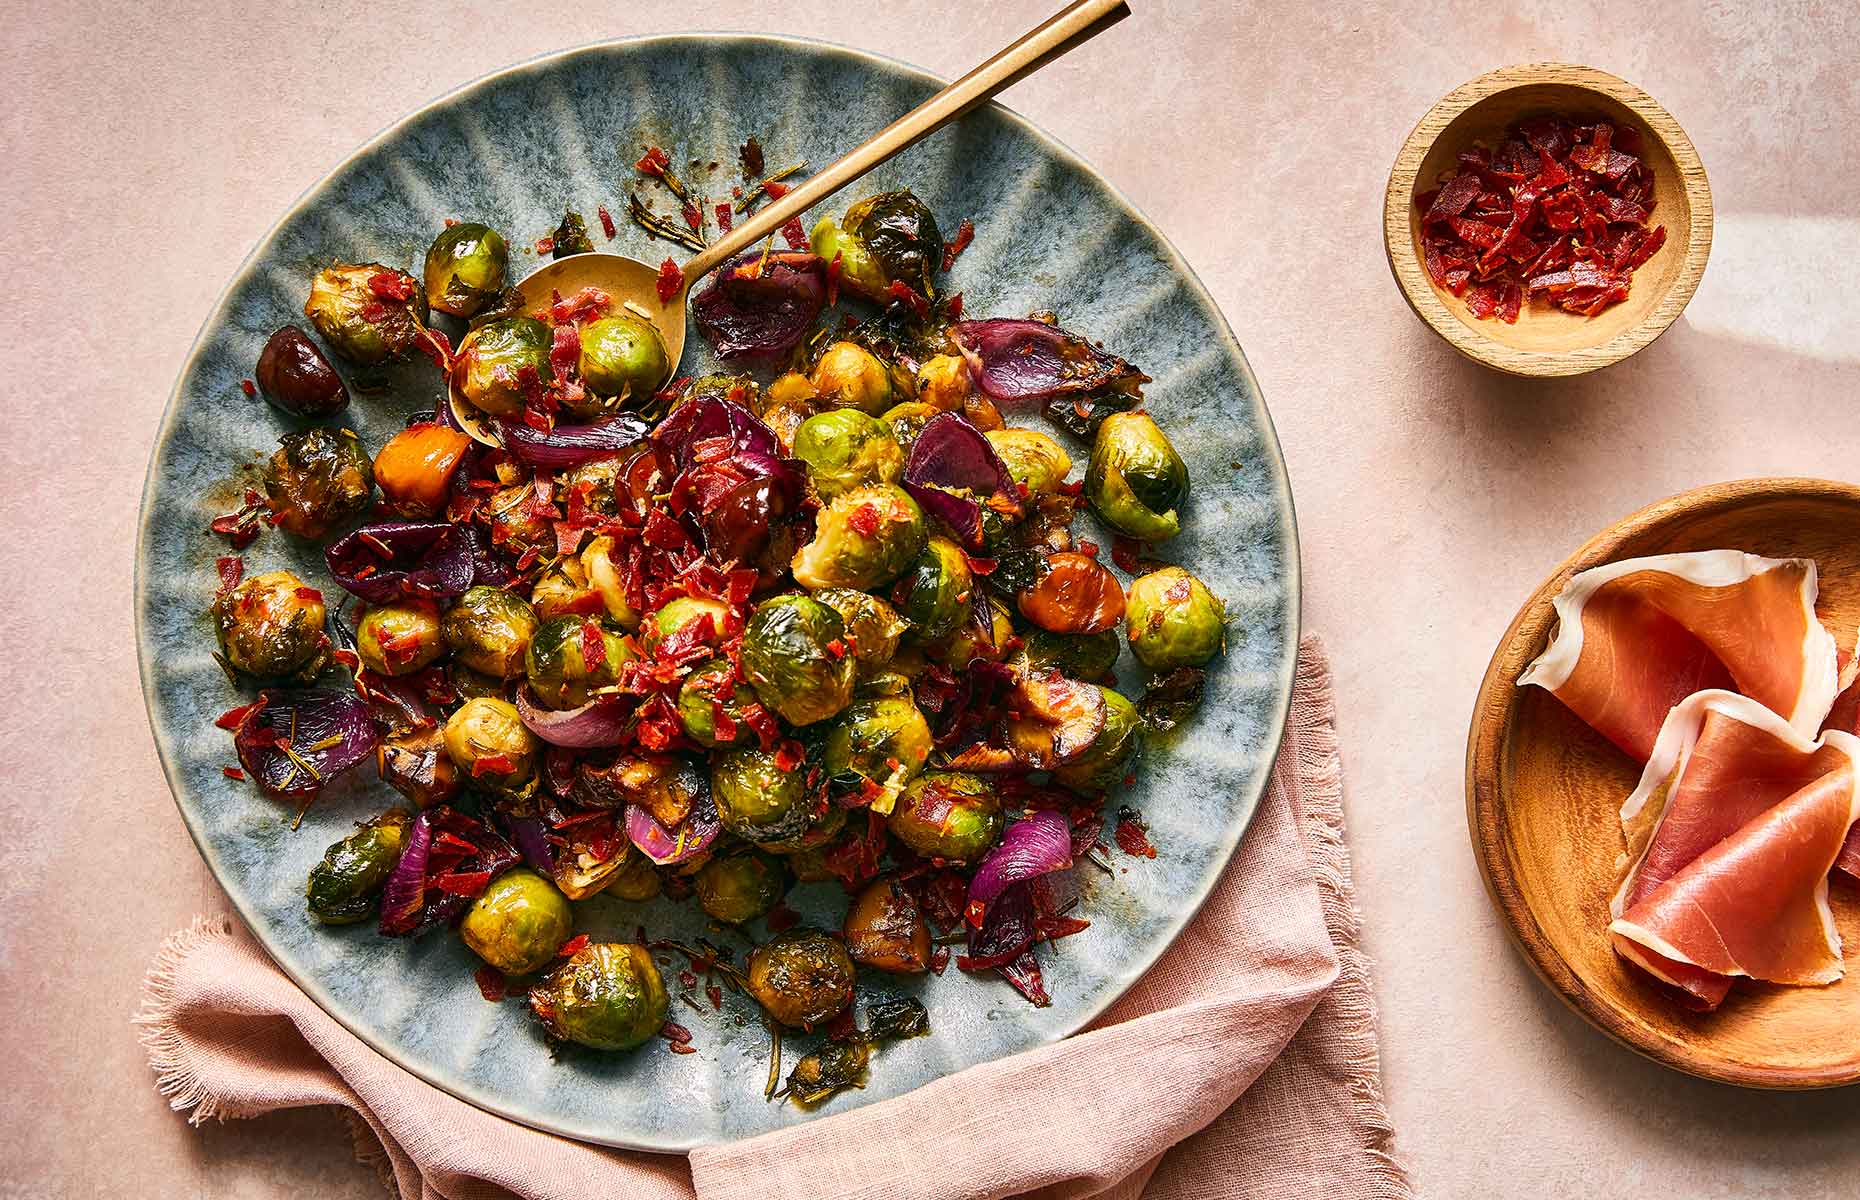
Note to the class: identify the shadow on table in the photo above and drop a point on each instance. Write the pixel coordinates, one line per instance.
(297, 1152)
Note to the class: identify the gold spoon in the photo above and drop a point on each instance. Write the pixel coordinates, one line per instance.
(634, 285)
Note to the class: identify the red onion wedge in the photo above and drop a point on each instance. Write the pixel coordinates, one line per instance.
(599, 722)
(293, 742)
(1016, 359)
(572, 445)
(390, 560)
(954, 474)
(762, 305)
(668, 847)
(1031, 847)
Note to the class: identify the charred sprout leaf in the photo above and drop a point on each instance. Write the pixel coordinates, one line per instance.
(346, 886)
(465, 268)
(830, 1069)
(571, 236)
(1172, 698)
(891, 1017)
(1081, 415)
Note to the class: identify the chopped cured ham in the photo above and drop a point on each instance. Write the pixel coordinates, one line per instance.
(1634, 638)
(1731, 832)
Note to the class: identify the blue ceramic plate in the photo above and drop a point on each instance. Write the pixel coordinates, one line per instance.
(512, 150)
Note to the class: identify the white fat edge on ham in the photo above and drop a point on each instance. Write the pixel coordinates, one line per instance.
(1705, 568)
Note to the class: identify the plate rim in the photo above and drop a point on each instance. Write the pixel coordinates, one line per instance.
(487, 1099)
(1488, 824)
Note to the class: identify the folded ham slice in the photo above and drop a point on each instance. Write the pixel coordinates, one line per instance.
(1634, 638)
(1845, 716)
(1731, 832)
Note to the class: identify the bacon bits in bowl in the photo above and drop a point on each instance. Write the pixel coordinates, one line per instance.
(1548, 219)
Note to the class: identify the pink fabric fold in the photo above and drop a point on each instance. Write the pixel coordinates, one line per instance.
(1243, 1064)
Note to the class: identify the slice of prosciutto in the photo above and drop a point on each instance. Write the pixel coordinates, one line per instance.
(1731, 832)
(1845, 717)
(1636, 637)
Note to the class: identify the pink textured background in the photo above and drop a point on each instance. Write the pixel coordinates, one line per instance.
(147, 147)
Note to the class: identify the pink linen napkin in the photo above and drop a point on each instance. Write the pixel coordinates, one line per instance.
(1243, 1064)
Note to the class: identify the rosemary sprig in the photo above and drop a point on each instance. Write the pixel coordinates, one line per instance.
(761, 189)
(774, 1028)
(660, 227)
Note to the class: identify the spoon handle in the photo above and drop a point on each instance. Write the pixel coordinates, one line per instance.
(1077, 23)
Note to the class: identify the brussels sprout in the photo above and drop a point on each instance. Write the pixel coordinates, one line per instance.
(580, 874)
(622, 357)
(737, 888)
(368, 313)
(465, 268)
(794, 652)
(399, 638)
(604, 577)
(415, 764)
(1135, 480)
(986, 635)
(845, 449)
(271, 627)
(1172, 698)
(1037, 462)
(885, 928)
(317, 480)
(683, 614)
(801, 977)
(488, 740)
(489, 370)
(943, 383)
(900, 234)
(937, 592)
(1173, 620)
(826, 829)
(872, 626)
(787, 403)
(345, 887)
(712, 689)
(884, 740)
(571, 658)
(636, 880)
(1107, 759)
(850, 376)
(608, 996)
(489, 630)
(907, 420)
(562, 591)
(415, 468)
(571, 236)
(1055, 720)
(1080, 655)
(828, 1071)
(738, 389)
(948, 815)
(296, 378)
(859, 271)
(599, 485)
(518, 922)
(470, 684)
(762, 798)
(516, 521)
(862, 539)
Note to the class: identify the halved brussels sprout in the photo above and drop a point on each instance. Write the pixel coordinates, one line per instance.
(794, 652)
(271, 627)
(345, 887)
(597, 564)
(489, 630)
(571, 236)
(872, 626)
(317, 480)
(580, 874)
(937, 592)
(943, 383)
(571, 658)
(845, 449)
(738, 888)
(850, 376)
(986, 635)
(712, 689)
(622, 357)
(367, 313)
(517, 923)
(1173, 620)
(415, 764)
(884, 740)
(862, 539)
(488, 741)
(465, 268)
(1080, 655)
(1135, 480)
(683, 614)
(859, 271)
(562, 591)
(885, 929)
(1056, 720)
(761, 798)
(948, 815)
(399, 638)
(802, 977)
(906, 421)
(516, 521)
(1107, 759)
(495, 361)
(899, 231)
(1037, 462)
(786, 405)
(608, 996)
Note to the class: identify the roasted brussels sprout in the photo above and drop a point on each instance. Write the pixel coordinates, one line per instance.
(850, 376)
(516, 521)
(794, 652)
(296, 378)
(948, 815)
(872, 626)
(580, 872)
(802, 977)
(571, 658)
(368, 313)
(317, 480)
(885, 928)
(1173, 620)
(899, 231)
(906, 421)
(571, 236)
(518, 922)
(943, 383)
(562, 591)
(416, 466)
(935, 595)
(604, 577)
(738, 888)
(762, 799)
(470, 684)
(787, 403)
(489, 630)
(271, 627)
(862, 539)
(828, 1071)
(399, 638)
(845, 449)
(636, 880)
(713, 691)
(1135, 480)
(1080, 655)
(622, 357)
(345, 887)
(608, 996)
(1036, 461)
(859, 271)
(686, 615)
(496, 362)
(488, 741)
(415, 764)
(465, 268)
(986, 635)
(1107, 759)
(884, 740)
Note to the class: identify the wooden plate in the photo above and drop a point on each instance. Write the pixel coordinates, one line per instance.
(1543, 790)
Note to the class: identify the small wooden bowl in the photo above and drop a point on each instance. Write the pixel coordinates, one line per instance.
(1546, 341)
(1543, 791)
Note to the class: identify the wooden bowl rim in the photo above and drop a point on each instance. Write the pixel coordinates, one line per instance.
(1488, 824)
(1419, 291)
